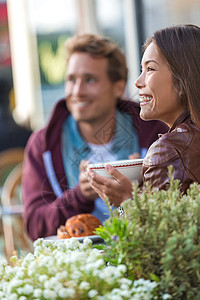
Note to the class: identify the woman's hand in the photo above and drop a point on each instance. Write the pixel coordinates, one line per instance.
(84, 183)
(116, 189)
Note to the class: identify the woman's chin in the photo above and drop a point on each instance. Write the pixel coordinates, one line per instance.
(145, 116)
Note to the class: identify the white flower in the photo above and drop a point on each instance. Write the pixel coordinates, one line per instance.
(27, 289)
(99, 262)
(92, 293)
(87, 243)
(22, 298)
(38, 242)
(37, 251)
(20, 290)
(115, 291)
(143, 288)
(52, 282)
(126, 281)
(114, 297)
(9, 271)
(28, 259)
(43, 277)
(12, 297)
(124, 287)
(16, 282)
(122, 268)
(125, 294)
(166, 296)
(76, 275)
(32, 268)
(66, 293)
(3, 262)
(63, 270)
(2, 295)
(49, 294)
(84, 285)
(72, 243)
(61, 275)
(37, 293)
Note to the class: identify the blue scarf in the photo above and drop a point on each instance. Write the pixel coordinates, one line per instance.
(74, 147)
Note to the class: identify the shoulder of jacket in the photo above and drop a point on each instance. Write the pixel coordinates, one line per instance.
(169, 145)
(36, 140)
(160, 152)
(180, 137)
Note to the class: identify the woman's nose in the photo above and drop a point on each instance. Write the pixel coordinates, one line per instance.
(140, 82)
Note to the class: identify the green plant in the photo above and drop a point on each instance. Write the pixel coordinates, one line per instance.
(158, 237)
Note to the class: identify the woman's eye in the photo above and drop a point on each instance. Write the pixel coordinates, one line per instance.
(150, 69)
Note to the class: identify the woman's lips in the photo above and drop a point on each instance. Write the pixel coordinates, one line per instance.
(145, 99)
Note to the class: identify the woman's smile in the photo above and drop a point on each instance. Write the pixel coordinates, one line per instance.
(144, 99)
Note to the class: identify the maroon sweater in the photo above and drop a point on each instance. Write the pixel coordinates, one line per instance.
(47, 200)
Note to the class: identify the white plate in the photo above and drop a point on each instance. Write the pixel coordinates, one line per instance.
(53, 238)
(131, 168)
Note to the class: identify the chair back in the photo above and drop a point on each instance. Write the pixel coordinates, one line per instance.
(8, 160)
(15, 236)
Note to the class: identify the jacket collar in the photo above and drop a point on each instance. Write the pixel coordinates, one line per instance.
(185, 115)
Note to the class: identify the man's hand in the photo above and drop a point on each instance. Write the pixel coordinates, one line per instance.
(116, 189)
(85, 186)
(135, 155)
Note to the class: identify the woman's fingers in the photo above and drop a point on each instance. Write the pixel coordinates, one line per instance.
(115, 174)
(95, 178)
(116, 190)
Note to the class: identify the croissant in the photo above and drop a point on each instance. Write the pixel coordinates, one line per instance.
(78, 226)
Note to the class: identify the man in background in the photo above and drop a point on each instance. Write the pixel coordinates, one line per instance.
(92, 123)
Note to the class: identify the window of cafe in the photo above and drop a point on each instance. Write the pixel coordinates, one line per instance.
(52, 22)
(163, 13)
(38, 32)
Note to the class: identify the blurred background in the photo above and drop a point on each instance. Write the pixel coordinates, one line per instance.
(32, 74)
(32, 34)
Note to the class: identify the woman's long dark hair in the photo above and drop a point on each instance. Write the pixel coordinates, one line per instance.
(180, 46)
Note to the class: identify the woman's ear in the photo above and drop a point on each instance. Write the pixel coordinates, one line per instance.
(119, 88)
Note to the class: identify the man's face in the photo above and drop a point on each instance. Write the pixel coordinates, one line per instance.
(91, 96)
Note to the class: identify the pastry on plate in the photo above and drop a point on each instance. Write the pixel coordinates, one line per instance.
(78, 226)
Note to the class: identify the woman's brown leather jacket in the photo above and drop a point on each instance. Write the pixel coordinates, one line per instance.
(180, 147)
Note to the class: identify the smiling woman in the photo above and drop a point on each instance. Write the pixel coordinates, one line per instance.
(158, 99)
(169, 91)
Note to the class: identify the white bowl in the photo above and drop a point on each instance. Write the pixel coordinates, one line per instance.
(131, 168)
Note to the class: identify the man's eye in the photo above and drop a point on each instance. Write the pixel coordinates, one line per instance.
(70, 79)
(90, 79)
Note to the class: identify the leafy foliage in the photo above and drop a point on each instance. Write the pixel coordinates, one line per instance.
(158, 238)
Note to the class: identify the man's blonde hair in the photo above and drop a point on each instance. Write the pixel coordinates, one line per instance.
(99, 47)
